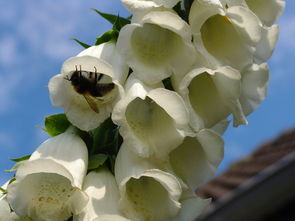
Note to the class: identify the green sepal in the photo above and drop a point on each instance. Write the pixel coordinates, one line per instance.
(11, 180)
(21, 158)
(18, 163)
(113, 18)
(56, 124)
(110, 35)
(81, 43)
(3, 190)
(97, 160)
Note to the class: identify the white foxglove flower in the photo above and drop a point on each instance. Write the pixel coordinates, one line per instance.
(137, 6)
(254, 87)
(268, 11)
(267, 43)
(157, 46)
(225, 36)
(152, 121)
(191, 207)
(103, 193)
(109, 53)
(86, 89)
(146, 193)
(212, 95)
(197, 158)
(48, 185)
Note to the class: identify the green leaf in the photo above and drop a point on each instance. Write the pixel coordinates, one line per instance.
(113, 18)
(81, 43)
(96, 161)
(21, 158)
(56, 124)
(3, 190)
(12, 180)
(107, 36)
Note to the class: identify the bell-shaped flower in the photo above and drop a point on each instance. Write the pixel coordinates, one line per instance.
(212, 95)
(87, 89)
(152, 121)
(225, 36)
(158, 45)
(267, 43)
(197, 158)
(103, 193)
(48, 185)
(191, 206)
(254, 87)
(138, 6)
(268, 11)
(147, 193)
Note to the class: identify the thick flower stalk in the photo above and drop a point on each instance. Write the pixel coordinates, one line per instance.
(48, 185)
(87, 88)
(158, 46)
(153, 121)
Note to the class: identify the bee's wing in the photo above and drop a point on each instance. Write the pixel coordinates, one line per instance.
(91, 101)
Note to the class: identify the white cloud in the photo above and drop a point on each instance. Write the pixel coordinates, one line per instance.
(9, 53)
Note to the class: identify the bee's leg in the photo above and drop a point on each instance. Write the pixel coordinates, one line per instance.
(67, 78)
(100, 77)
(80, 72)
(76, 67)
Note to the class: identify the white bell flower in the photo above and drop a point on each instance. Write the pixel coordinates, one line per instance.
(86, 89)
(192, 206)
(137, 6)
(212, 95)
(267, 43)
(104, 195)
(254, 87)
(268, 11)
(48, 185)
(152, 121)
(157, 46)
(225, 36)
(197, 158)
(146, 193)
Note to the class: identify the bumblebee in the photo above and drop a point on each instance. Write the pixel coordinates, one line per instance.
(87, 84)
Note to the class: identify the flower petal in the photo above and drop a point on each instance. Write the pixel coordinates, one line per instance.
(104, 195)
(197, 158)
(254, 87)
(136, 6)
(211, 95)
(152, 120)
(151, 47)
(225, 37)
(68, 150)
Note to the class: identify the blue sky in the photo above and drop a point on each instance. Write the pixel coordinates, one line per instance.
(34, 42)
